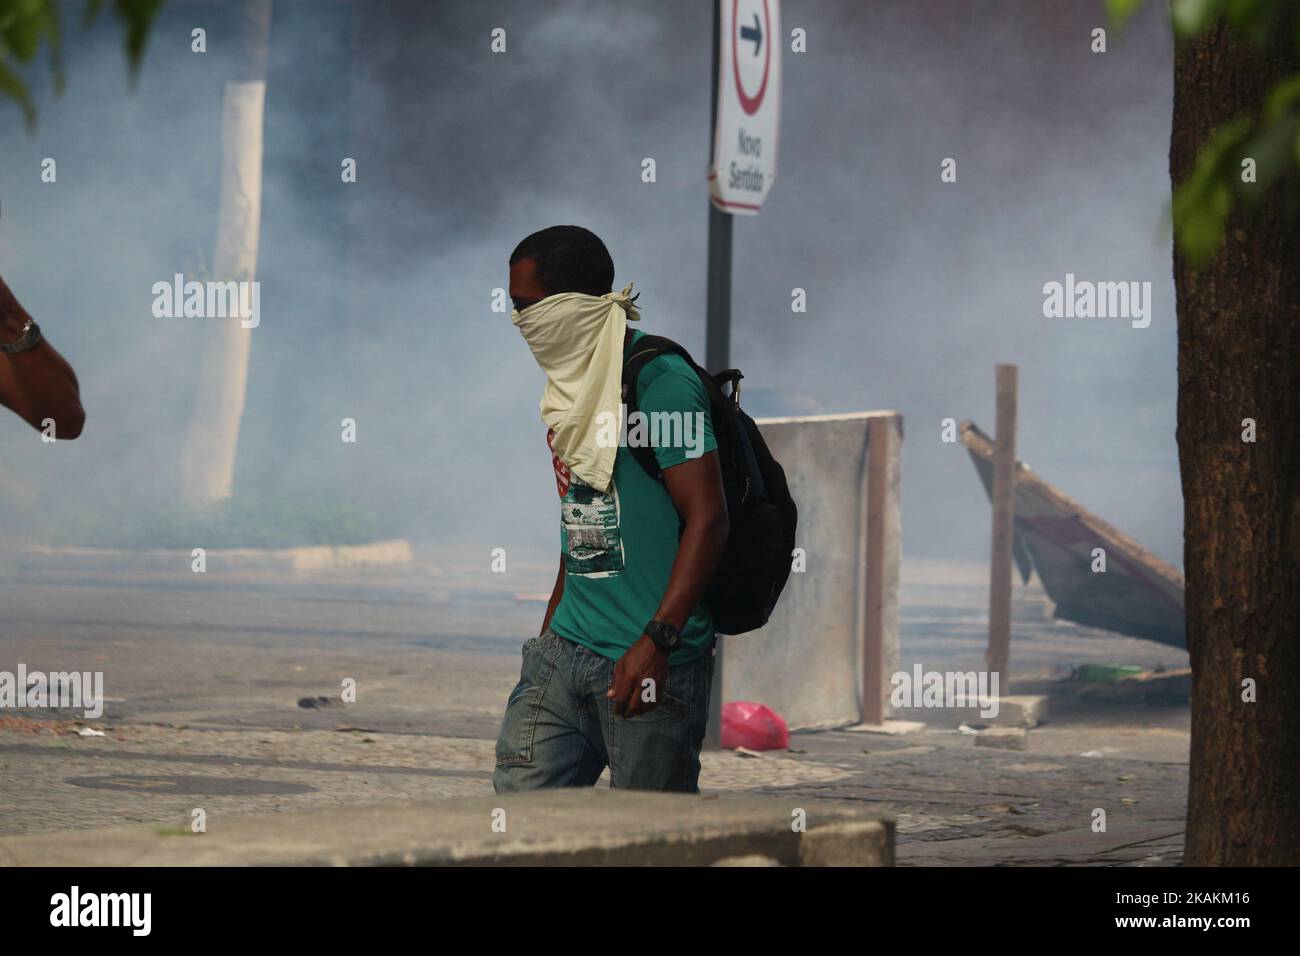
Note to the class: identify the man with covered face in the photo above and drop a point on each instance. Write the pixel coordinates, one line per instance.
(620, 674)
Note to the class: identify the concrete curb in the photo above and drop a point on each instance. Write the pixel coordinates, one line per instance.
(295, 560)
(890, 728)
(571, 827)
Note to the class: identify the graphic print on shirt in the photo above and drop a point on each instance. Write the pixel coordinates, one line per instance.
(593, 546)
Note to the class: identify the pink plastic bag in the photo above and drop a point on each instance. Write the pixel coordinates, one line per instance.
(753, 726)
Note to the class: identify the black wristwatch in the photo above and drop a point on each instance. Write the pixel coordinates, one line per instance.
(29, 338)
(666, 637)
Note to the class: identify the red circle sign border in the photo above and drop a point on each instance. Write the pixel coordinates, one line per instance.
(747, 103)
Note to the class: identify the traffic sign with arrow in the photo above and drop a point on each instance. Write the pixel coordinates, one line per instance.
(747, 108)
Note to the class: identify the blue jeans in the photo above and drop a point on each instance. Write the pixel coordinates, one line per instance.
(560, 730)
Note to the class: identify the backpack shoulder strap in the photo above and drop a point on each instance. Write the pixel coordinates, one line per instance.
(645, 350)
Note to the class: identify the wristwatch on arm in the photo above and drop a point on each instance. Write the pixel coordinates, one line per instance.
(29, 338)
(666, 637)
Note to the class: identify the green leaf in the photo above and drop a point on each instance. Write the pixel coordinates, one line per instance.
(1121, 11)
(1191, 17)
(1199, 224)
(15, 89)
(138, 16)
(1270, 147)
(23, 36)
(1253, 18)
(54, 31)
(24, 24)
(1204, 199)
(1282, 97)
(92, 11)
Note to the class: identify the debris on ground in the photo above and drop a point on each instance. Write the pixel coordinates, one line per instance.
(313, 703)
(746, 723)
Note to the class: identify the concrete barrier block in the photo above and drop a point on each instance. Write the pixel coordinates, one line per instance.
(854, 843)
(807, 662)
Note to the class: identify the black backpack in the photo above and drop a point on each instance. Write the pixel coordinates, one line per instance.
(762, 515)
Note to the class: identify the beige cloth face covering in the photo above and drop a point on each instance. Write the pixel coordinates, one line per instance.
(578, 342)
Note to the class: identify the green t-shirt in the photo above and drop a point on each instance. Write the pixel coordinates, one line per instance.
(619, 546)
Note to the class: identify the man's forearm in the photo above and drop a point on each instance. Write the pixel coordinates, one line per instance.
(36, 384)
(699, 550)
(12, 318)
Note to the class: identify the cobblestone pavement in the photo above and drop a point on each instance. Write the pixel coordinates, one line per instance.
(203, 712)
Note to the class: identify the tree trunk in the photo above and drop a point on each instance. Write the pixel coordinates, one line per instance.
(208, 458)
(1239, 358)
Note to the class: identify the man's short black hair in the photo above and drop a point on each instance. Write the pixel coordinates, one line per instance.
(568, 259)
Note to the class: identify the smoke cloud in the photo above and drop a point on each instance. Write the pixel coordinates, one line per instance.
(376, 296)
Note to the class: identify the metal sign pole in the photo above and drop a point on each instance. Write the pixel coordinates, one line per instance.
(717, 350)
(717, 338)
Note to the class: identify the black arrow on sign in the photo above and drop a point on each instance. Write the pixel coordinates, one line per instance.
(755, 34)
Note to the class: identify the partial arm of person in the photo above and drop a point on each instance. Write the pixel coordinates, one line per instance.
(695, 486)
(557, 593)
(696, 489)
(36, 384)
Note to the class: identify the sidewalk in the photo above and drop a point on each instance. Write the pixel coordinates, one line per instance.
(204, 678)
(548, 828)
(954, 803)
